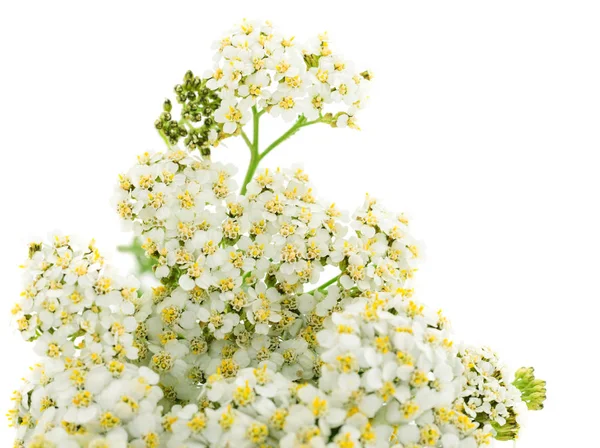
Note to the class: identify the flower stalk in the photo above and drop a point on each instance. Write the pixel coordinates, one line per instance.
(255, 155)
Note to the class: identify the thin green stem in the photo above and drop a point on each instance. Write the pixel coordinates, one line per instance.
(253, 146)
(300, 123)
(255, 155)
(287, 134)
(165, 139)
(255, 119)
(254, 161)
(329, 282)
(247, 140)
(188, 123)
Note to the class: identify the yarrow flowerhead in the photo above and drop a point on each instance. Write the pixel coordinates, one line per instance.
(271, 317)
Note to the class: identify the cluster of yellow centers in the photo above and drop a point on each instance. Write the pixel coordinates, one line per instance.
(419, 378)
(228, 368)
(109, 420)
(387, 391)
(170, 315)
(382, 344)
(347, 363)
(227, 418)
(243, 395)
(319, 406)
(287, 102)
(197, 422)
(152, 440)
(409, 409)
(186, 200)
(82, 399)
(233, 114)
(258, 432)
(162, 361)
(346, 441)
(429, 435)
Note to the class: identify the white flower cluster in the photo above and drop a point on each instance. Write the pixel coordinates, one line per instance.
(256, 65)
(72, 302)
(179, 205)
(240, 265)
(488, 394)
(233, 305)
(389, 378)
(85, 402)
(83, 319)
(382, 255)
(390, 364)
(240, 341)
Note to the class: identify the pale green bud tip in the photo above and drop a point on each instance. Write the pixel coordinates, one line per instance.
(533, 390)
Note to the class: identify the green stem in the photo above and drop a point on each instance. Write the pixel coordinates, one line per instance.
(254, 161)
(256, 156)
(301, 123)
(247, 140)
(329, 282)
(253, 146)
(255, 118)
(291, 131)
(165, 139)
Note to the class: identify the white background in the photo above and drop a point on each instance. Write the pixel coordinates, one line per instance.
(483, 126)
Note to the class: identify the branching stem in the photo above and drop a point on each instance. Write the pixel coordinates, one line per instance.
(255, 155)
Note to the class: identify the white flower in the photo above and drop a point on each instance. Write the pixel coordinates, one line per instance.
(232, 114)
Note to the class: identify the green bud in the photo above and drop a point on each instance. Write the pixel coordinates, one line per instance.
(189, 75)
(367, 75)
(330, 119)
(311, 60)
(533, 390)
(167, 106)
(33, 248)
(508, 431)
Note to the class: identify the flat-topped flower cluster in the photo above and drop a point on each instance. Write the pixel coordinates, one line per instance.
(272, 318)
(256, 65)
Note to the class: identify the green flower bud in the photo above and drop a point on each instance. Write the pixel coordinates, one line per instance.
(533, 391)
(367, 75)
(33, 248)
(508, 431)
(167, 106)
(311, 60)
